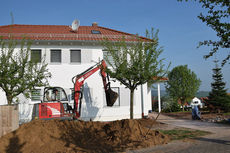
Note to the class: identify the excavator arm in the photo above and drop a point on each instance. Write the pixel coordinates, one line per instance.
(79, 79)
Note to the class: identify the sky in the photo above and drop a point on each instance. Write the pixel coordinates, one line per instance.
(179, 28)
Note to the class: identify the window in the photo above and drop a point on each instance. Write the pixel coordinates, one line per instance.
(36, 55)
(55, 94)
(55, 56)
(95, 32)
(86, 94)
(110, 58)
(36, 95)
(72, 94)
(75, 56)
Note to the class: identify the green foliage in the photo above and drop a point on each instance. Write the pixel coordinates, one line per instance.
(218, 96)
(136, 62)
(183, 84)
(19, 75)
(172, 107)
(168, 105)
(178, 134)
(216, 17)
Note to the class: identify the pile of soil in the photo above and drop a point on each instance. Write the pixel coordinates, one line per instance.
(78, 136)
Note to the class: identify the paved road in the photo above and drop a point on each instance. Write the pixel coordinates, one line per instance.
(218, 142)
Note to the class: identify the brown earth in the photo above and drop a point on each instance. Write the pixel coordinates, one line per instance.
(51, 136)
(205, 116)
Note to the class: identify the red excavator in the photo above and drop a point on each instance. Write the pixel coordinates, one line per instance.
(55, 103)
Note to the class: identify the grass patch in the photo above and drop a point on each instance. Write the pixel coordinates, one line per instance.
(178, 134)
(228, 113)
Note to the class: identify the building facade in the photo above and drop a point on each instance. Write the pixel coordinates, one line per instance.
(69, 53)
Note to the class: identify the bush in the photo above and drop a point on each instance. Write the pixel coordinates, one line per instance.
(226, 104)
(219, 103)
(171, 107)
(167, 104)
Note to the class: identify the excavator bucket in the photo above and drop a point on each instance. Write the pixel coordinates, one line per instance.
(111, 97)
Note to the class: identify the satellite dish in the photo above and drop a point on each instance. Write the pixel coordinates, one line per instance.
(75, 25)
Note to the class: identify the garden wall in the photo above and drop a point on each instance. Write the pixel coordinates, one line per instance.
(9, 120)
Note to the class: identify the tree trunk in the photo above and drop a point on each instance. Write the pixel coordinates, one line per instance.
(9, 99)
(131, 103)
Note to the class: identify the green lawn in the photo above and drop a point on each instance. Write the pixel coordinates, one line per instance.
(178, 134)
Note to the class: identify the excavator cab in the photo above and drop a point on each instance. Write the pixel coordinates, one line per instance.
(56, 94)
(54, 105)
(52, 94)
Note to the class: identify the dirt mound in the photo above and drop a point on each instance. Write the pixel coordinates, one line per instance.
(78, 136)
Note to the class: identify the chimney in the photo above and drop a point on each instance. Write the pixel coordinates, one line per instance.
(94, 24)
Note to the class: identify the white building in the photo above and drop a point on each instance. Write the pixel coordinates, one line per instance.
(69, 53)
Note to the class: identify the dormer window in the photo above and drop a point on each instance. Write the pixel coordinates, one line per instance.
(95, 32)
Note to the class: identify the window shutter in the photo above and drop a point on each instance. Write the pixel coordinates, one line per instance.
(36, 95)
(55, 56)
(75, 56)
(36, 56)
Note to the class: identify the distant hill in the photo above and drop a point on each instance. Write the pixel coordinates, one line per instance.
(155, 93)
(164, 93)
(202, 94)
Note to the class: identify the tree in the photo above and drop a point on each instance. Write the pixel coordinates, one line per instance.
(216, 17)
(135, 63)
(18, 74)
(183, 84)
(218, 96)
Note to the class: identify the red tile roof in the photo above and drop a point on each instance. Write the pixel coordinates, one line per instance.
(160, 78)
(62, 32)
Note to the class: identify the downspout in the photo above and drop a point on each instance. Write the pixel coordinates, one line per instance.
(142, 102)
(159, 97)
